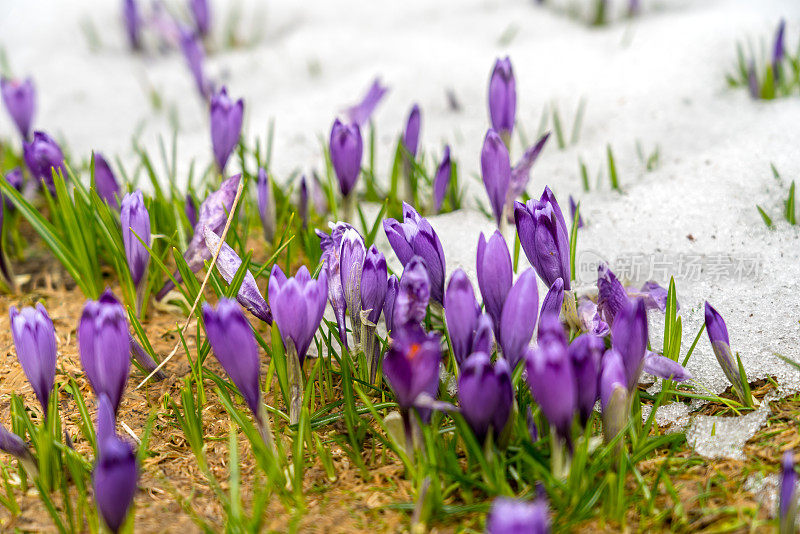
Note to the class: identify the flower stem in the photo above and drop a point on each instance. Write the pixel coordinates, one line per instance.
(348, 208)
(265, 429)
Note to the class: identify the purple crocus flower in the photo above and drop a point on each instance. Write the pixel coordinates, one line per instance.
(228, 263)
(106, 420)
(483, 339)
(360, 113)
(226, 126)
(778, 50)
(16, 179)
(554, 300)
(415, 237)
(655, 296)
(442, 179)
(413, 294)
(302, 202)
(514, 516)
(629, 338)
(503, 97)
(297, 305)
(266, 205)
(495, 275)
(485, 394)
(411, 134)
(19, 98)
(133, 23)
(105, 182)
(544, 238)
(392, 288)
(13, 444)
(35, 343)
(41, 155)
(135, 221)
(346, 149)
(201, 13)
(573, 207)
(411, 365)
(461, 312)
(234, 345)
(518, 319)
(104, 344)
(585, 353)
(351, 258)
(611, 295)
(496, 172)
(195, 57)
(331, 247)
(787, 508)
(521, 172)
(613, 394)
(718, 336)
(663, 367)
(318, 199)
(114, 481)
(374, 283)
(190, 208)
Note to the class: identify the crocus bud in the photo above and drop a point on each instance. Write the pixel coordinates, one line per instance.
(12, 444)
(19, 98)
(135, 221)
(346, 148)
(518, 318)
(35, 342)
(613, 394)
(351, 256)
(496, 172)
(554, 300)
(41, 155)
(411, 134)
(573, 207)
(513, 516)
(114, 480)
(373, 284)
(495, 275)
(201, 13)
(297, 305)
(718, 336)
(544, 238)
(266, 205)
(611, 295)
(15, 179)
(461, 311)
(787, 509)
(302, 202)
(662, 367)
(392, 288)
(415, 237)
(105, 182)
(133, 23)
(360, 113)
(629, 338)
(331, 246)
(228, 263)
(195, 57)
(226, 126)
(413, 294)
(778, 50)
(442, 179)
(234, 345)
(521, 172)
(485, 394)
(503, 97)
(483, 339)
(190, 208)
(411, 365)
(585, 352)
(104, 344)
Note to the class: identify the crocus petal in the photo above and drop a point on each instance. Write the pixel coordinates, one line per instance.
(461, 312)
(518, 318)
(495, 275)
(360, 113)
(662, 367)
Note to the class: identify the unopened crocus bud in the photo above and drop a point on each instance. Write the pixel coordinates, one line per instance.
(485, 394)
(135, 221)
(521, 173)
(495, 275)
(573, 207)
(331, 246)
(461, 311)
(234, 345)
(496, 172)
(613, 394)
(483, 340)
(346, 149)
(105, 182)
(351, 256)
(544, 238)
(195, 57)
(611, 295)
(19, 98)
(718, 336)
(104, 344)
(360, 113)
(787, 506)
(42, 155)
(12, 444)
(554, 300)
(411, 365)
(663, 367)
(266, 204)
(778, 50)
(35, 343)
(297, 305)
(114, 480)
(442, 179)
(201, 13)
(411, 134)
(413, 294)
(503, 97)
(392, 288)
(629, 338)
(15, 179)
(585, 353)
(513, 516)
(226, 126)
(518, 319)
(190, 209)
(415, 237)
(133, 23)
(373, 284)
(302, 202)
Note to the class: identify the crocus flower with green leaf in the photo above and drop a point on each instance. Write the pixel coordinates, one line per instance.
(35, 342)
(226, 126)
(718, 336)
(43, 156)
(105, 182)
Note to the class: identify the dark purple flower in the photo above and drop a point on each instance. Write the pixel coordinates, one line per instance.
(195, 57)
(297, 305)
(544, 238)
(513, 516)
(234, 345)
(461, 311)
(12, 444)
(133, 23)
(778, 50)
(351, 257)
(629, 338)
(190, 208)
(554, 300)
(585, 353)
(135, 221)
(228, 263)
(226, 126)
(201, 12)
(518, 319)
(415, 237)
(105, 182)
(392, 288)
(413, 294)
(442, 179)
(373, 284)
(787, 509)
(495, 275)
(411, 365)
(496, 172)
(266, 205)
(521, 172)
(346, 148)
(114, 480)
(663, 367)
(19, 98)
(105, 348)
(503, 97)
(35, 343)
(485, 394)
(573, 207)
(611, 295)
(411, 134)
(360, 113)
(331, 247)
(718, 336)
(483, 339)
(41, 155)
(302, 202)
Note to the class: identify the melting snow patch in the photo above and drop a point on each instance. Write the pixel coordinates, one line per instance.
(724, 437)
